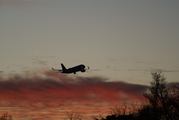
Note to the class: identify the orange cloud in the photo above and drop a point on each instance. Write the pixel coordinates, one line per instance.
(50, 94)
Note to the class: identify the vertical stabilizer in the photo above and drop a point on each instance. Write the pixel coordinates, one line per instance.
(63, 67)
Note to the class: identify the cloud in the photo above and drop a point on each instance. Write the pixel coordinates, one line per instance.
(150, 70)
(37, 59)
(144, 70)
(144, 62)
(41, 62)
(40, 57)
(117, 60)
(165, 70)
(41, 90)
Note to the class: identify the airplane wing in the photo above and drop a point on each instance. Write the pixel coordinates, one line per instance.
(56, 69)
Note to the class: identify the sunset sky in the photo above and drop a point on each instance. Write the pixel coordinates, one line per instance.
(122, 41)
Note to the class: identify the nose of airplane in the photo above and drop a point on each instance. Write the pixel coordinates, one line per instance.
(86, 67)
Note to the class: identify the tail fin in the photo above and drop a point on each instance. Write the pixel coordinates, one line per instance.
(63, 67)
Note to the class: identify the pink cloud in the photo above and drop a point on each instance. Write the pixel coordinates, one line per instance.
(47, 90)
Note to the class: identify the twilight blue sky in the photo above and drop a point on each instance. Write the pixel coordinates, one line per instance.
(125, 39)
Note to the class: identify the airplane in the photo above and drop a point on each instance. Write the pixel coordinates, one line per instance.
(75, 69)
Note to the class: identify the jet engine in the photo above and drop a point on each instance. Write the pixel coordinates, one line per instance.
(83, 70)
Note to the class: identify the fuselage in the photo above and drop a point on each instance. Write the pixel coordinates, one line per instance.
(75, 69)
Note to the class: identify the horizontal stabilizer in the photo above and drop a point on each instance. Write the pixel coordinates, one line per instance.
(56, 69)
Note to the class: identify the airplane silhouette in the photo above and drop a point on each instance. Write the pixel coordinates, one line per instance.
(75, 69)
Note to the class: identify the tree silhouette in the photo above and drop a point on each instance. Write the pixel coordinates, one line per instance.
(158, 96)
(72, 115)
(174, 101)
(6, 116)
(163, 103)
(125, 109)
(163, 100)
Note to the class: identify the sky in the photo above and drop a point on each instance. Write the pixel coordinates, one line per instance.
(121, 41)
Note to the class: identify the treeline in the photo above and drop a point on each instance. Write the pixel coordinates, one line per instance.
(162, 103)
